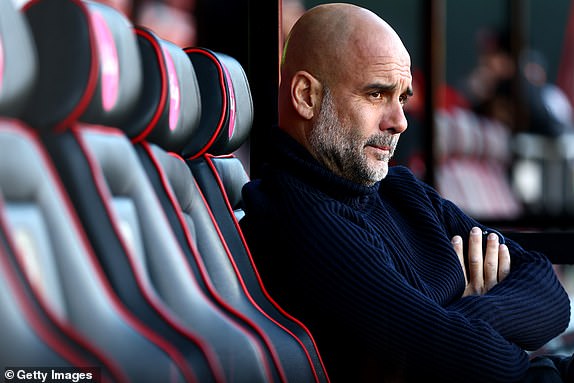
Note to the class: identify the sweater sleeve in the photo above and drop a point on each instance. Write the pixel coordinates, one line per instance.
(530, 306)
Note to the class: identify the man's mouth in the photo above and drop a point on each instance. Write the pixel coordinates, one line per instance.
(383, 148)
(381, 153)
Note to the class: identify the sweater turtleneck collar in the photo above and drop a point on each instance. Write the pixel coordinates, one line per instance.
(294, 158)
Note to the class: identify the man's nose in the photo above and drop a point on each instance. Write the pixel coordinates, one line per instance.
(395, 120)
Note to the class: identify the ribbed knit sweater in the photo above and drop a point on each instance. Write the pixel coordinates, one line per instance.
(373, 274)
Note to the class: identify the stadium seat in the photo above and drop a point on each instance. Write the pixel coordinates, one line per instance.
(227, 114)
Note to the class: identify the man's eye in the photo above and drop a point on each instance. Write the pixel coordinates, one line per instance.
(404, 99)
(376, 94)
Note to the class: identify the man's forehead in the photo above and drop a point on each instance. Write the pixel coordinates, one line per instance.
(391, 65)
(386, 71)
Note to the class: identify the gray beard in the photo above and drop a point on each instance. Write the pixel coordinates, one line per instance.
(338, 148)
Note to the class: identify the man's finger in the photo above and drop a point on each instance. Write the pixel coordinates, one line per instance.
(503, 262)
(457, 246)
(491, 262)
(475, 262)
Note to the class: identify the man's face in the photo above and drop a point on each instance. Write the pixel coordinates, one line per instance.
(356, 128)
(350, 141)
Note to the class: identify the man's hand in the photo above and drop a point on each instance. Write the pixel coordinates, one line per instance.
(483, 273)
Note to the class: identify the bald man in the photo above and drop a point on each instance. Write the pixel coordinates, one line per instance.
(322, 57)
(391, 279)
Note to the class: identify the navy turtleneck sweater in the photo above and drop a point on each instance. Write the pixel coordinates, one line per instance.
(372, 272)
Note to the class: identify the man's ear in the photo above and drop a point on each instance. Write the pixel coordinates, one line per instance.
(305, 94)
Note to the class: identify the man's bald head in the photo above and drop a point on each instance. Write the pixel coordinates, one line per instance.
(333, 33)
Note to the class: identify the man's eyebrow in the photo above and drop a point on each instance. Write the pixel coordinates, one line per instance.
(384, 88)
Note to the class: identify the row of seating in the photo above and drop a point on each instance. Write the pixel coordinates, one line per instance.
(119, 242)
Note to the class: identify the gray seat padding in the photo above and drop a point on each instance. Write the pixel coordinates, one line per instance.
(18, 61)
